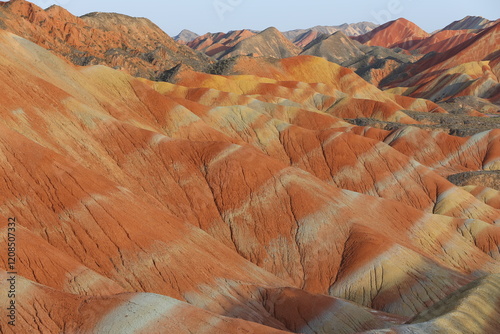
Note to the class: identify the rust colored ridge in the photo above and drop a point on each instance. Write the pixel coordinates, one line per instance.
(360, 108)
(473, 79)
(475, 49)
(423, 105)
(96, 202)
(39, 261)
(268, 43)
(442, 41)
(228, 197)
(379, 171)
(399, 33)
(127, 134)
(205, 102)
(133, 239)
(466, 74)
(54, 311)
(215, 45)
(378, 268)
(306, 38)
(135, 45)
(470, 23)
(247, 230)
(228, 200)
(330, 96)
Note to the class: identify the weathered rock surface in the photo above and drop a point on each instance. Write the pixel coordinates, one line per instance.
(216, 45)
(469, 22)
(398, 33)
(353, 29)
(135, 45)
(241, 202)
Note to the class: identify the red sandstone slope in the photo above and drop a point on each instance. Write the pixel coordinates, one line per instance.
(405, 34)
(90, 205)
(244, 196)
(46, 310)
(456, 65)
(133, 44)
(466, 69)
(398, 33)
(469, 23)
(323, 163)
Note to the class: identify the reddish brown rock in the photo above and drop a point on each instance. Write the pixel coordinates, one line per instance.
(399, 33)
(219, 203)
(135, 45)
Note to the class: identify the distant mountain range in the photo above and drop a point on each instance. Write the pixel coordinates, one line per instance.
(383, 55)
(353, 29)
(215, 45)
(470, 22)
(377, 53)
(268, 43)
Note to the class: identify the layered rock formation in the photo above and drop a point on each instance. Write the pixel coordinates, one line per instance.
(268, 43)
(398, 33)
(135, 45)
(242, 202)
(469, 22)
(467, 69)
(216, 45)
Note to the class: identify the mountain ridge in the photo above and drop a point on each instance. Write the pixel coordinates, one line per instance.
(276, 192)
(186, 36)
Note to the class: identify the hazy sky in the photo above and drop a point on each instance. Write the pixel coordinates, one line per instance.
(203, 16)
